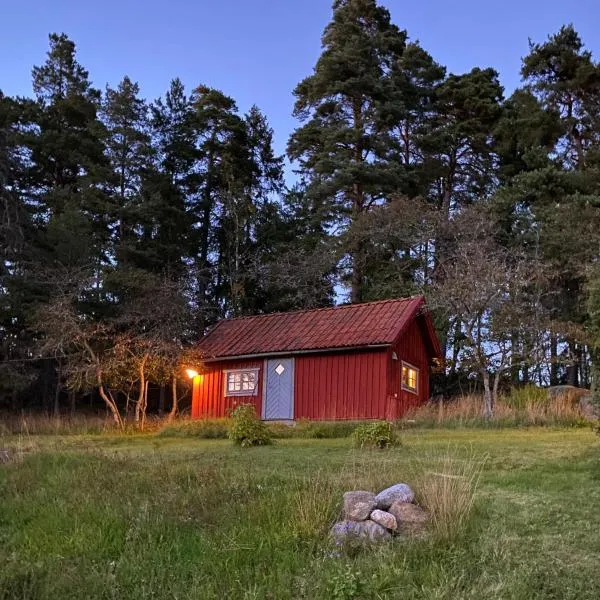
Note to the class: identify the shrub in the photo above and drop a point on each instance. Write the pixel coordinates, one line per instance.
(378, 434)
(247, 429)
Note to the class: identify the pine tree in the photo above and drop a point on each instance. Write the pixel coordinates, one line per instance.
(170, 186)
(345, 141)
(125, 116)
(566, 80)
(16, 341)
(565, 196)
(458, 147)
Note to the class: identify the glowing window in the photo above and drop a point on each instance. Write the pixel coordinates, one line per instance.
(410, 378)
(241, 382)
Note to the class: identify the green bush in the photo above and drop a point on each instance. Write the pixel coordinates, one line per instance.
(247, 429)
(208, 429)
(378, 434)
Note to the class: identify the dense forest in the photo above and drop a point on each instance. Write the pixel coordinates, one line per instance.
(129, 226)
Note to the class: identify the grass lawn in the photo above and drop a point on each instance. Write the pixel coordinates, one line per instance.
(147, 517)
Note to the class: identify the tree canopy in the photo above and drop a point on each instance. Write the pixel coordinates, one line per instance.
(131, 225)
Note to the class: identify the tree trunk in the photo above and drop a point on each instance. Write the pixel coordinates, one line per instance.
(145, 406)
(553, 359)
(139, 407)
(358, 206)
(515, 359)
(488, 403)
(109, 401)
(57, 391)
(495, 391)
(72, 401)
(161, 400)
(455, 345)
(174, 405)
(573, 367)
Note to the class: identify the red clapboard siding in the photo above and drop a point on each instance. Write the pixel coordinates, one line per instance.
(412, 349)
(341, 386)
(208, 398)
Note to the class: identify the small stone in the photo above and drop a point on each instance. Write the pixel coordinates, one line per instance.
(362, 530)
(375, 532)
(346, 529)
(358, 505)
(400, 492)
(411, 518)
(385, 519)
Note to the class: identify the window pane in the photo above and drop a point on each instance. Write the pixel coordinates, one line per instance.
(241, 382)
(410, 378)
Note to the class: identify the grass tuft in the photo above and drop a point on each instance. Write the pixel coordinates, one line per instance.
(446, 485)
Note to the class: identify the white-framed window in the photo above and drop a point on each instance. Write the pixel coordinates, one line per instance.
(410, 378)
(241, 382)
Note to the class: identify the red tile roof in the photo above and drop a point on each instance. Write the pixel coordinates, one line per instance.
(352, 325)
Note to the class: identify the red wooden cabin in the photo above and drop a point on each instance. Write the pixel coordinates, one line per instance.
(357, 361)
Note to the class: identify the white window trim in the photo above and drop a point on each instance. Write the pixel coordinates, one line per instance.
(227, 372)
(406, 388)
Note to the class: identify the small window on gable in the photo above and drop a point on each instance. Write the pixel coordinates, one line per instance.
(410, 378)
(241, 382)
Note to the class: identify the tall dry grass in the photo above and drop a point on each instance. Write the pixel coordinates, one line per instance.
(524, 409)
(35, 423)
(446, 484)
(41, 424)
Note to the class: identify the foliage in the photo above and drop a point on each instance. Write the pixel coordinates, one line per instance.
(378, 434)
(346, 583)
(137, 224)
(246, 429)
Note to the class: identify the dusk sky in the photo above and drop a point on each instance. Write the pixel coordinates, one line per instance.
(257, 50)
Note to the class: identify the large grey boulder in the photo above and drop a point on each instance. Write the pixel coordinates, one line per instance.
(411, 518)
(400, 492)
(348, 530)
(589, 409)
(358, 505)
(385, 519)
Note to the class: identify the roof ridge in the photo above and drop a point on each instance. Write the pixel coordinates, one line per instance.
(324, 308)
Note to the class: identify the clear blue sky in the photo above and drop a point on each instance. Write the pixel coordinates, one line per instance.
(257, 50)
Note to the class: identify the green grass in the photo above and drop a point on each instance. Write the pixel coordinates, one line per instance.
(177, 518)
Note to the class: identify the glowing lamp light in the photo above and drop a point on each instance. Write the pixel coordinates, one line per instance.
(191, 373)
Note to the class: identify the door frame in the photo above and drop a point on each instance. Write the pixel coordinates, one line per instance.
(263, 411)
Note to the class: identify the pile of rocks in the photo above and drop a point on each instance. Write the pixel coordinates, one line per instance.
(379, 516)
